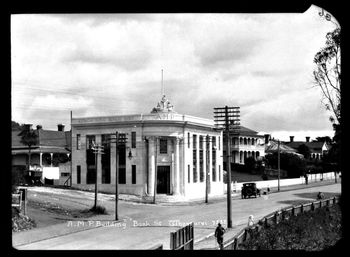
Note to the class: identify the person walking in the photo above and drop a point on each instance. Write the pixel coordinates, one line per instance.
(219, 234)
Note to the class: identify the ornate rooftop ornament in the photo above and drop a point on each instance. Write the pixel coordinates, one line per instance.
(163, 106)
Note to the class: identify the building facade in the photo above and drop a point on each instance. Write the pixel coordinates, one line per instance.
(50, 156)
(244, 143)
(165, 153)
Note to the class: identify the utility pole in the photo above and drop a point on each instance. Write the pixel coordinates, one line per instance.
(207, 170)
(278, 164)
(97, 150)
(227, 116)
(116, 174)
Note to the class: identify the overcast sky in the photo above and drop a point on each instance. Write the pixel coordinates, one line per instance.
(110, 64)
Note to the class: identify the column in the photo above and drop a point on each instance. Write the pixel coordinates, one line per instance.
(177, 167)
(151, 165)
(113, 159)
(51, 154)
(41, 159)
(99, 163)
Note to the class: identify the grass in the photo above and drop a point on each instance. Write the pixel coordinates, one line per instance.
(312, 231)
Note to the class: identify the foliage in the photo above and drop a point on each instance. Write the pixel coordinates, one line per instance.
(294, 165)
(317, 230)
(16, 126)
(304, 150)
(29, 138)
(21, 222)
(99, 209)
(327, 74)
(250, 164)
(18, 176)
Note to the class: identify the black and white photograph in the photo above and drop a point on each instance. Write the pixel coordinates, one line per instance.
(176, 131)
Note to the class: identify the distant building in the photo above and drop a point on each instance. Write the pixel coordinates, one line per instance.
(52, 150)
(317, 149)
(166, 153)
(271, 146)
(244, 143)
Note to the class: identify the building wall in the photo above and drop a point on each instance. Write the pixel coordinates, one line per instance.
(144, 160)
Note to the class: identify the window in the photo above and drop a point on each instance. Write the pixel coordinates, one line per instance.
(195, 166)
(219, 142)
(133, 139)
(194, 141)
(90, 140)
(106, 159)
(78, 174)
(78, 142)
(201, 171)
(214, 165)
(189, 173)
(65, 174)
(188, 140)
(163, 146)
(122, 176)
(213, 139)
(133, 174)
(200, 142)
(219, 172)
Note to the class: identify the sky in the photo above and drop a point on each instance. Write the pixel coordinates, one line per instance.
(110, 64)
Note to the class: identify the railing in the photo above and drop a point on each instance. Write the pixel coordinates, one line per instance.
(183, 238)
(276, 217)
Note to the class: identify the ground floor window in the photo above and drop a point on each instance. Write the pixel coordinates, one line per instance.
(195, 166)
(189, 173)
(78, 174)
(91, 175)
(133, 174)
(219, 172)
(122, 176)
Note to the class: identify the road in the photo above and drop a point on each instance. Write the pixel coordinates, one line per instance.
(145, 225)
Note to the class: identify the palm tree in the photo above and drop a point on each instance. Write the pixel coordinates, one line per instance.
(29, 138)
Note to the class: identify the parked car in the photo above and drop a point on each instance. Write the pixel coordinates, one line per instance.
(250, 189)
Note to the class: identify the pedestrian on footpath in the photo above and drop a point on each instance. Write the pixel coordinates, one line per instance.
(219, 234)
(250, 221)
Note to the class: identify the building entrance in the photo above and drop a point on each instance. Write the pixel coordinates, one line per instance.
(163, 180)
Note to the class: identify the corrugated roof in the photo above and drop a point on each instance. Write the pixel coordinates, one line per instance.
(241, 130)
(273, 147)
(315, 146)
(47, 138)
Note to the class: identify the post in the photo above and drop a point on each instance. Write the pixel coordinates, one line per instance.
(155, 170)
(278, 165)
(116, 175)
(71, 150)
(96, 187)
(228, 161)
(207, 170)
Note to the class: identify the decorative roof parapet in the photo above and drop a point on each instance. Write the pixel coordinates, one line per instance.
(163, 106)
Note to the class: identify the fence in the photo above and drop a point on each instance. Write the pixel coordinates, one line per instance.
(183, 238)
(287, 182)
(19, 200)
(276, 217)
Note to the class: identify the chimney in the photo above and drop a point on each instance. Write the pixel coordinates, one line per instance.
(38, 127)
(267, 138)
(60, 127)
(307, 139)
(291, 138)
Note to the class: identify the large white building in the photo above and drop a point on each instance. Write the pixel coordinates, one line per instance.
(165, 153)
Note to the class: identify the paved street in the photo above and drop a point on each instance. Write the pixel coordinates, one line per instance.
(145, 225)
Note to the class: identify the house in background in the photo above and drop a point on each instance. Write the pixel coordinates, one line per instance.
(244, 143)
(317, 149)
(50, 156)
(271, 146)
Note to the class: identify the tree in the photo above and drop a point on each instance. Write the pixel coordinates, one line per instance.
(304, 150)
(16, 126)
(326, 139)
(327, 74)
(29, 138)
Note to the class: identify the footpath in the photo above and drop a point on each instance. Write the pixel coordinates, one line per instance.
(206, 242)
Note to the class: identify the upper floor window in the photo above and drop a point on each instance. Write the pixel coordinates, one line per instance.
(78, 142)
(90, 141)
(188, 140)
(201, 142)
(133, 139)
(163, 146)
(213, 139)
(194, 141)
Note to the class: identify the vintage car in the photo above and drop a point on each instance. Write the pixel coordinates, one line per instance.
(249, 189)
